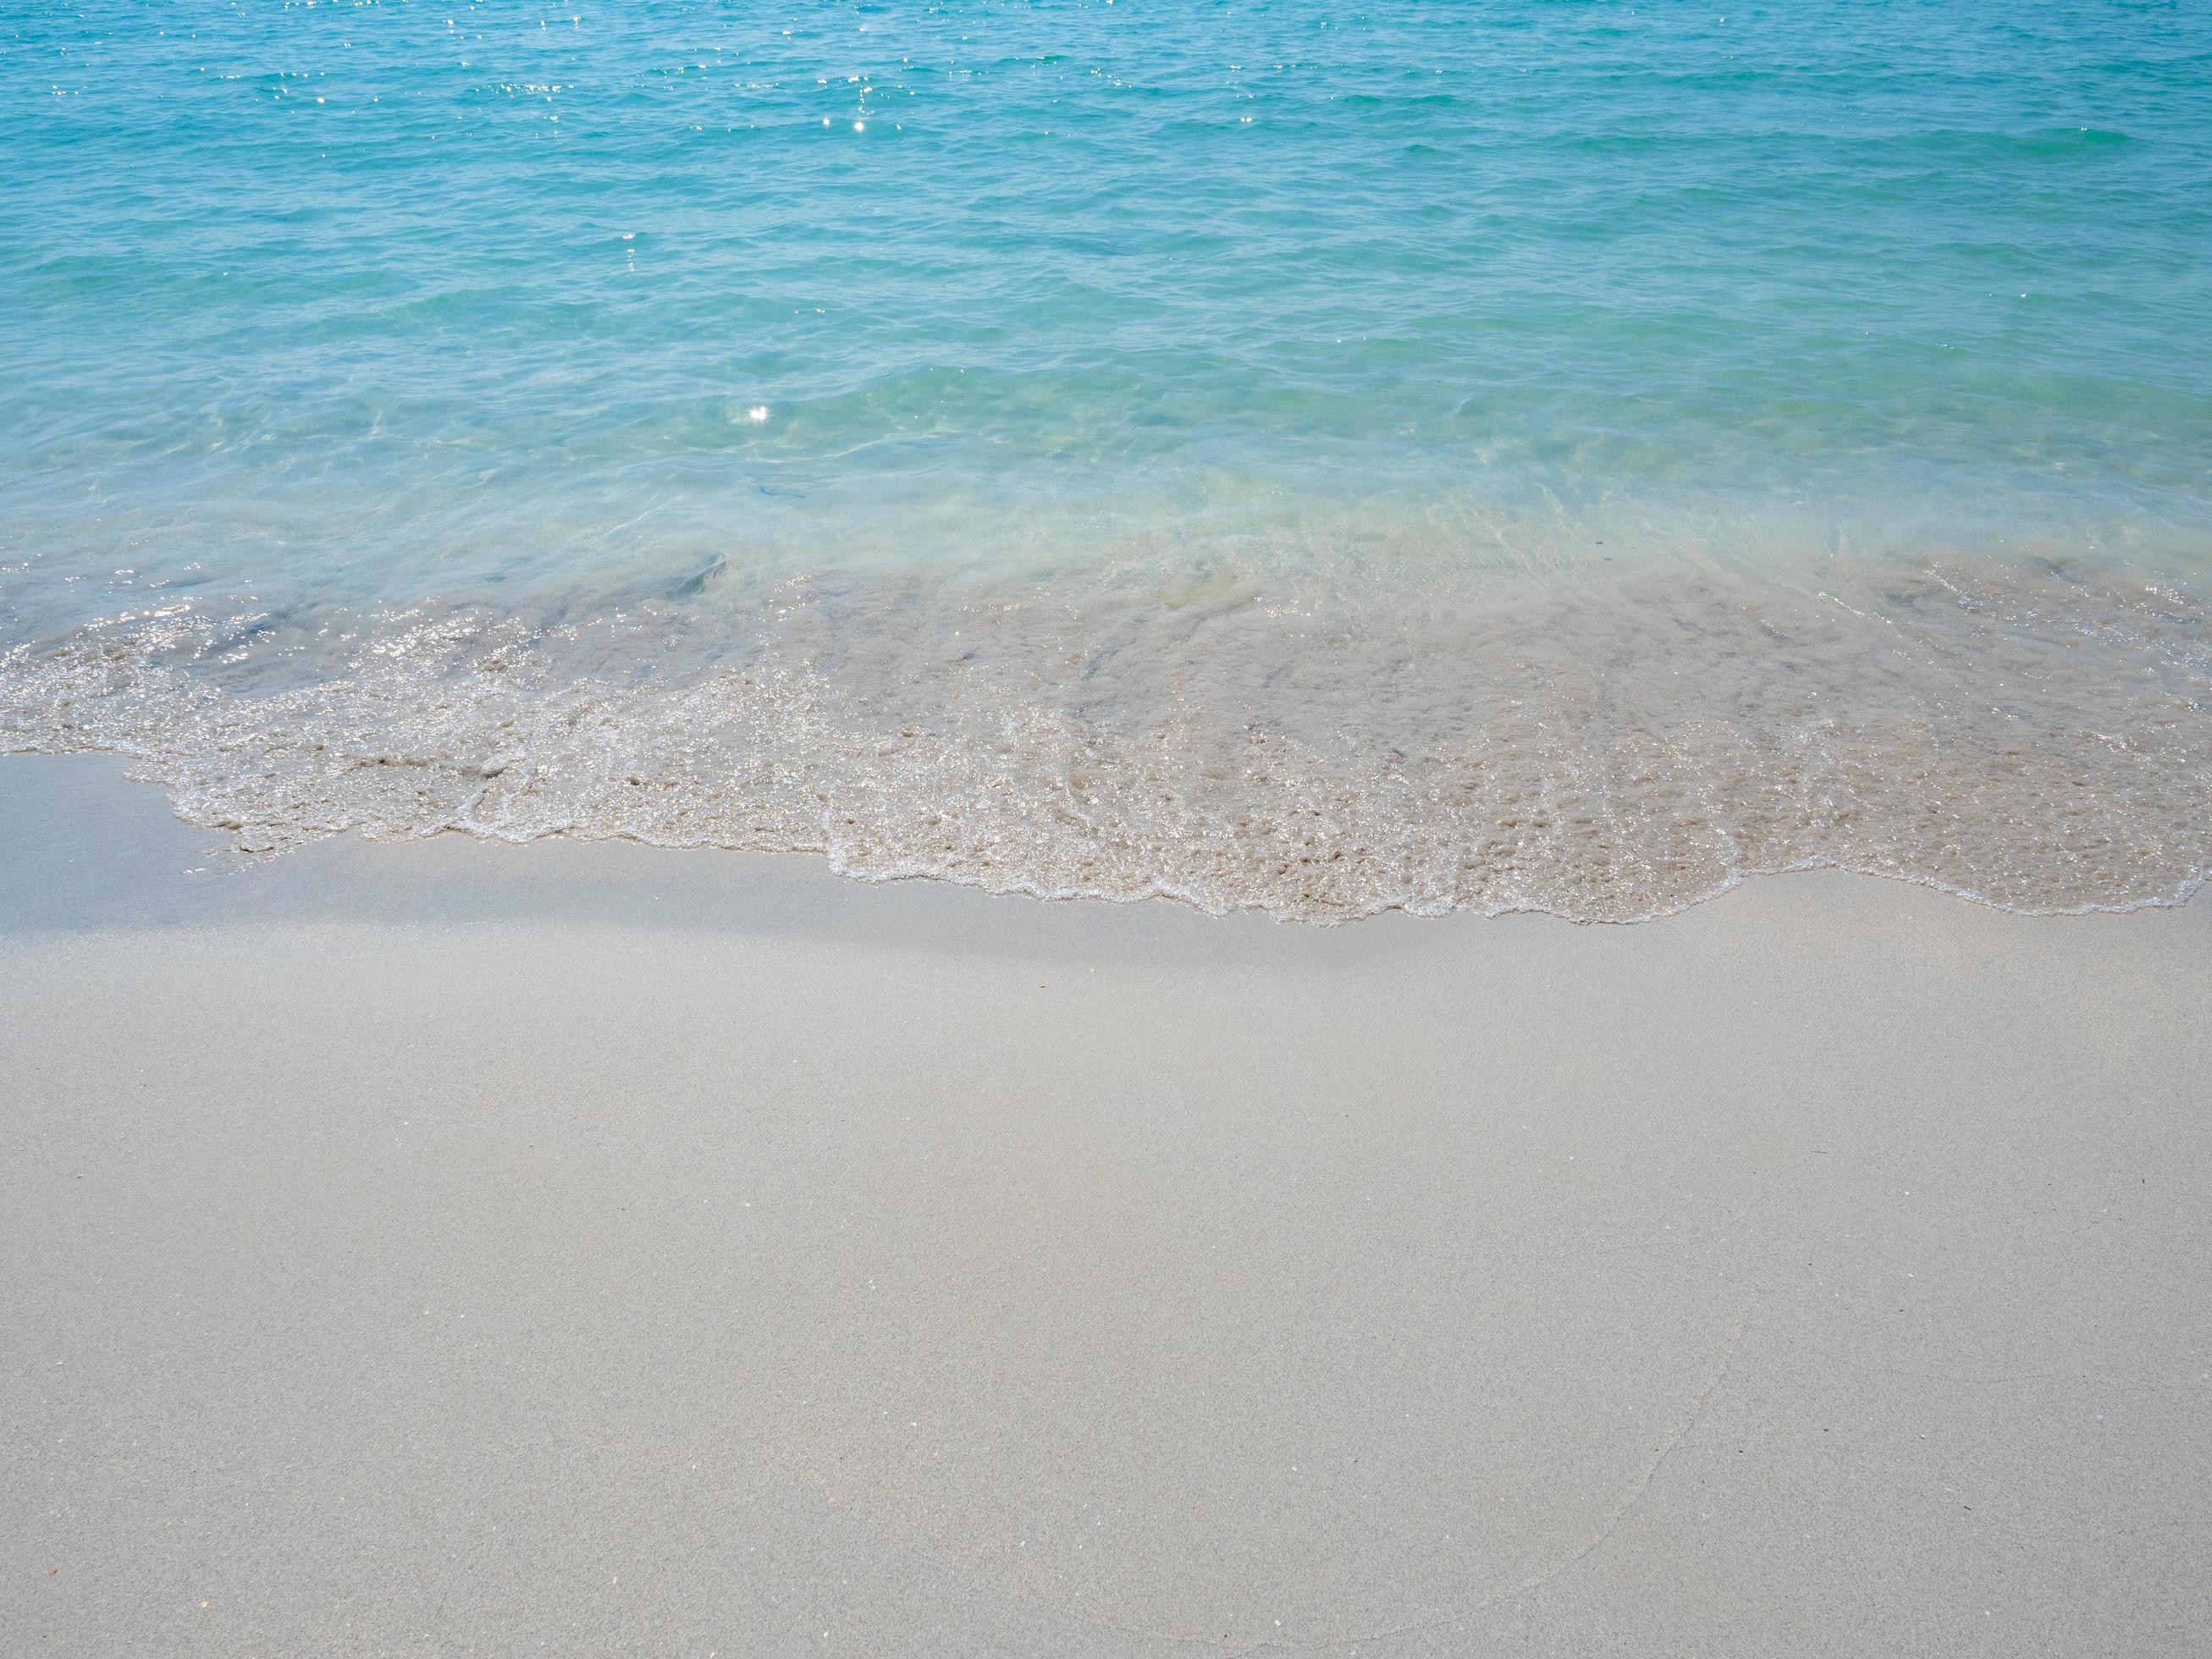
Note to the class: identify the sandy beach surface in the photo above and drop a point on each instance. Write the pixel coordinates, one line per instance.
(452, 1248)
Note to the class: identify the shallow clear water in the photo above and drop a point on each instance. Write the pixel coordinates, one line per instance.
(1526, 455)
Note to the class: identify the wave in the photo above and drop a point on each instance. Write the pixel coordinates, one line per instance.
(1320, 743)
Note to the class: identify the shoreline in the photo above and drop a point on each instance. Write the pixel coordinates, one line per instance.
(448, 1246)
(1280, 740)
(708, 870)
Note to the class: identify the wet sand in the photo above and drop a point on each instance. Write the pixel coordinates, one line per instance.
(450, 1248)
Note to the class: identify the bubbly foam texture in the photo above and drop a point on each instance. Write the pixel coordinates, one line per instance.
(1306, 740)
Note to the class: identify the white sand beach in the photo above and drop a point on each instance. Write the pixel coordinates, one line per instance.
(455, 1249)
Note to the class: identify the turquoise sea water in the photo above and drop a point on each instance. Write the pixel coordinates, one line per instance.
(1325, 459)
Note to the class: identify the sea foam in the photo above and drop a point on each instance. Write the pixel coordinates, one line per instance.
(1284, 739)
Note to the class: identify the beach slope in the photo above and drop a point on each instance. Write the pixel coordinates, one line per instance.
(446, 1248)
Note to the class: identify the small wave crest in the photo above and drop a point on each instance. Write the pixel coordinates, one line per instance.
(1309, 744)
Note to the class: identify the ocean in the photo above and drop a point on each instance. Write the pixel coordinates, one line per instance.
(1314, 459)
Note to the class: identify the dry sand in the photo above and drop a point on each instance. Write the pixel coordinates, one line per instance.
(448, 1248)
